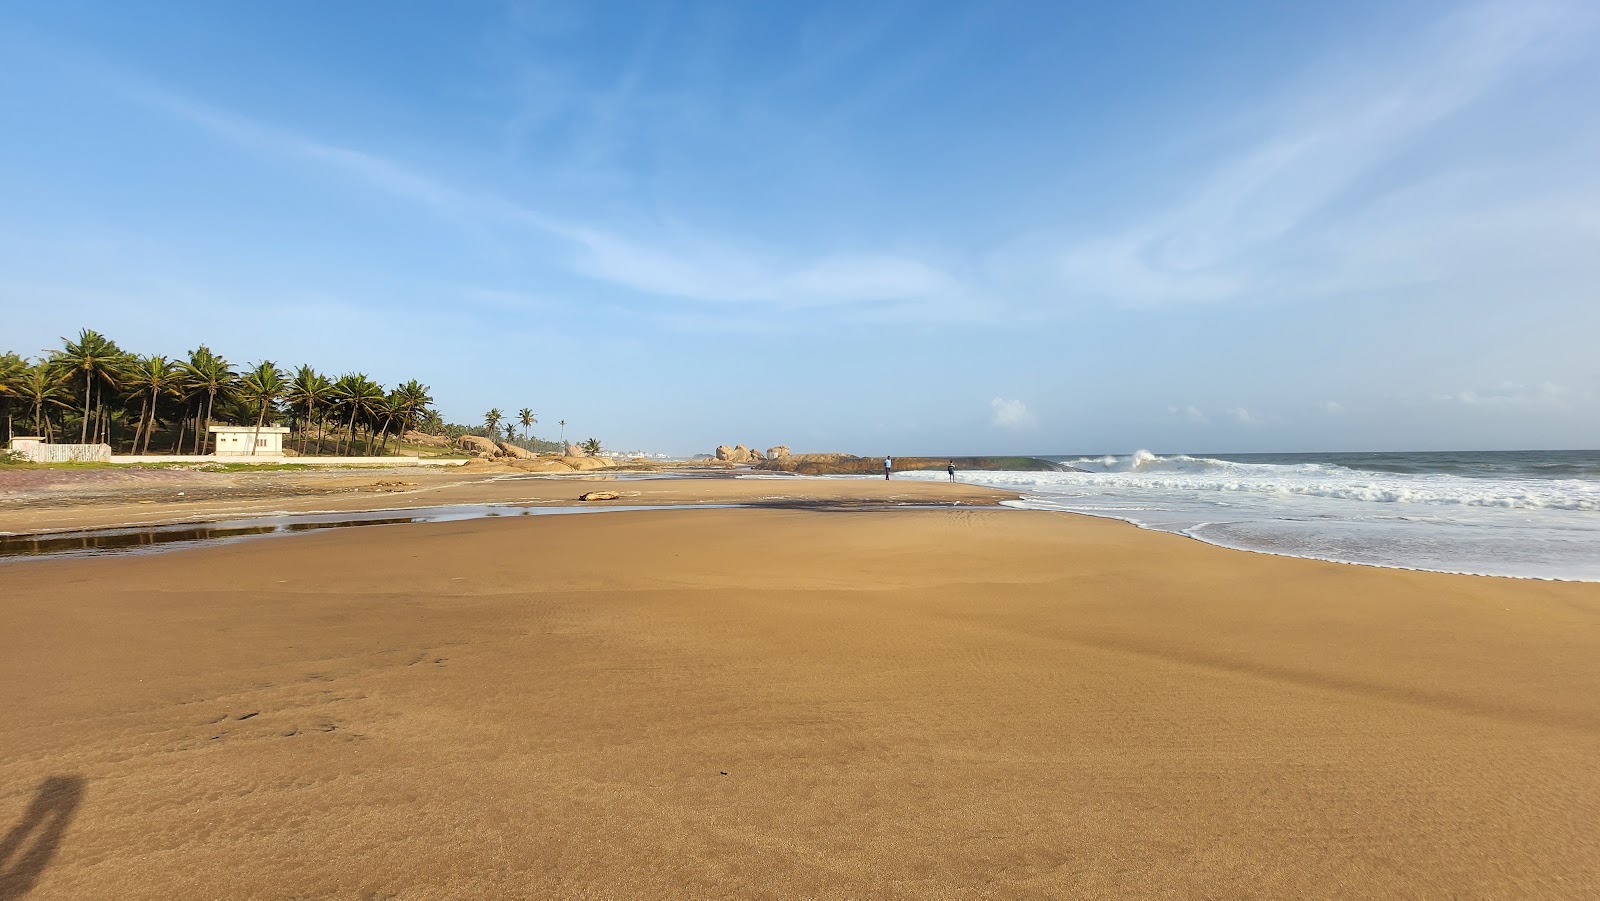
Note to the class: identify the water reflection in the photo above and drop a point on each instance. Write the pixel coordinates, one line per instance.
(146, 539)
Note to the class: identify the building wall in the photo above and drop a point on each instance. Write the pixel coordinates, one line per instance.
(235, 443)
(40, 452)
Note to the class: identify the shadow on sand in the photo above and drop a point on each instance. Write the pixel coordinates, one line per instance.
(27, 849)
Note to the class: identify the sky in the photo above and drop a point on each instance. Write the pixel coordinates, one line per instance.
(907, 228)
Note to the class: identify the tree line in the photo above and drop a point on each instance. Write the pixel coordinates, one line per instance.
(95, 392)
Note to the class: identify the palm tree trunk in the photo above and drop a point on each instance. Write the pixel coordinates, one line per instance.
(257, 438)
(88, 385)
(154, 397)
(211, 403)
(138, 432)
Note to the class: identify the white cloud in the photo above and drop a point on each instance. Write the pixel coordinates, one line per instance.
(1247, 417)
(1011, 414)
(1547, 396)
(1332, 407)
(1191, 413)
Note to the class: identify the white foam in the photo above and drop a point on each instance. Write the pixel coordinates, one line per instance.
(1525, 527)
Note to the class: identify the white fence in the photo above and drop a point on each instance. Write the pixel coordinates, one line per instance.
(273, 460)
(38, 451)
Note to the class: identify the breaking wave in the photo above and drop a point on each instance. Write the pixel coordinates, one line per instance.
(1486, 513)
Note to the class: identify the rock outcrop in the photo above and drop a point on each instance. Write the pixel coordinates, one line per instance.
(586, 463)
(543, 464)
(778, 453)
(738, 454)
(480, 446)
(599, 496)
(413, 436)
(511, 450)
(573, 450)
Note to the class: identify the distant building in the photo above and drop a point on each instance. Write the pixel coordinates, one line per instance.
(248, 441)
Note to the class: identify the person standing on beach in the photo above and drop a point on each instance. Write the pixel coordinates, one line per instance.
(951, 468)
(888, 463)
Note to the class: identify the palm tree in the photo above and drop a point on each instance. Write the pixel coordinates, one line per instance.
(151, 377)
(431, 422)
(527, 417)
(207, 375)
(97, 361)
(492, 419)
(592, 447)
(12, 366)
(40, 387)
(358, 398)
(311, 390)
(563, 424)
(414, 401)
(263, 386)
(387, 411)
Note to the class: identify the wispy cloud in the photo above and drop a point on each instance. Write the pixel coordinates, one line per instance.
(1191, 413)
(1247, 416)
(692, 267)
(1511, 395)
(1245, 224)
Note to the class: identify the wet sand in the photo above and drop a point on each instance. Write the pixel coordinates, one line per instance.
(40, 501)
(789, 702)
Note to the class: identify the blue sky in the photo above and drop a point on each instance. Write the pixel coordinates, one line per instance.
(892, 227)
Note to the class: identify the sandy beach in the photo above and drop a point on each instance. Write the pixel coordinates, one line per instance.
(820, 696)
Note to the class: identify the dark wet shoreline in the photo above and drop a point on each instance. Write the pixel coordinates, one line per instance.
(143, 539)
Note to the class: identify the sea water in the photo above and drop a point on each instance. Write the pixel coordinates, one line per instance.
(1530, 514)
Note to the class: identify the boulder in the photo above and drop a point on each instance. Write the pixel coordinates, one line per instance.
(587, 463)
(544, 464)
(511, 450)
(573, 451)
(481, 446)
(599, 496)
(415, 437)
(778, 453)
(724, 452)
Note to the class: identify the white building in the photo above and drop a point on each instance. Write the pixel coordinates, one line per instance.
(248, 441)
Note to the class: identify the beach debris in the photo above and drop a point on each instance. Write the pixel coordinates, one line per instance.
(245, 716)
(599, 495)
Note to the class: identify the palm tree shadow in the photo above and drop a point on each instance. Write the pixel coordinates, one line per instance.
(27, 849)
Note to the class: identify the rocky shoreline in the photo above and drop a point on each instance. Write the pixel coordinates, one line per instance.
(779, 459)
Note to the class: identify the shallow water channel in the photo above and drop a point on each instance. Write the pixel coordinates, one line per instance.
(174, 536)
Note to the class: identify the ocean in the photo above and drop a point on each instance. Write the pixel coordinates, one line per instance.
(1526, 514)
